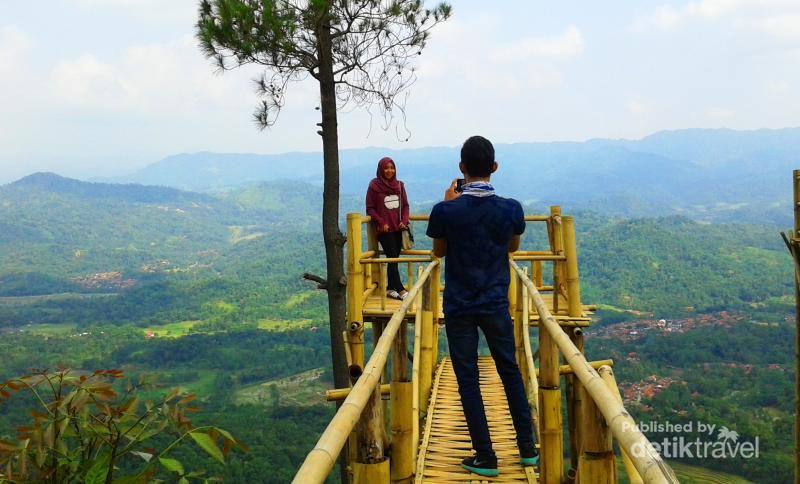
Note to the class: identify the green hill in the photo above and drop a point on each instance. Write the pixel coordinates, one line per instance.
(669, 264)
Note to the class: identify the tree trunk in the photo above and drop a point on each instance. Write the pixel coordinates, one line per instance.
(332, 235)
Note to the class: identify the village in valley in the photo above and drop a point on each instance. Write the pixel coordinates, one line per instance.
(639, 392)
(640, 328)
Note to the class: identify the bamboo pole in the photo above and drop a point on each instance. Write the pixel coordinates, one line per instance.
(512, 295)
(372, 246)
(416, 252)
(556, 258)
(348, 355)
(400, 356)
(371, 473)
(567, 370)
(518, 319)
(415, 390)
(607, 374)
(368, 292)
(571, 269)
(795, 236)
(647, 461)
(531, 383)
(339, 394)
(377, 330)
(575, 402)
(355, 289)
(534, 252)
(435, 303)
(382, 284)
(524, 320)
(426, 348)
(538, 274)
(424, 218)
(558, 248)
(552, 458)
(596, 464)
(399, 260)
(370, 429)
(321, 459)
(402, 466)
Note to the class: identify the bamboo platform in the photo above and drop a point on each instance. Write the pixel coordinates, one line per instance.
(374, 307)
(446, 439)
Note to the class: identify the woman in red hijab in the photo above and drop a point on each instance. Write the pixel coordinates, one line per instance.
(387, 206)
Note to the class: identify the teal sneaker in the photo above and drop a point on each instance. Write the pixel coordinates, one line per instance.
(529, 456)
(483, 466)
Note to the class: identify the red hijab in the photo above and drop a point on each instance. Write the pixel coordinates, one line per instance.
(383, 185)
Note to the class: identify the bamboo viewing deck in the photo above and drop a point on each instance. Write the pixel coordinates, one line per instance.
(427, 436)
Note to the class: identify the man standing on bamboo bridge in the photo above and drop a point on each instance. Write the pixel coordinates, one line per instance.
(476, 229)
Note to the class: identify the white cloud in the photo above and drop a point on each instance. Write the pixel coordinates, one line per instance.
(115, 3)
(568, 44)
(781, 26)
(539, 76)
(14, 44)
(637, 108)
(665, 17)
(86, 82)
(717, 113)
(772, 17)
(779, 87)
(162, 79)
(512, 69)
(15, 78)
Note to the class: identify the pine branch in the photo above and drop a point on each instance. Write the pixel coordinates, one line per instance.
(322, 283)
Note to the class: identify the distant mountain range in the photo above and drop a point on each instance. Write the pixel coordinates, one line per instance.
(707, 174)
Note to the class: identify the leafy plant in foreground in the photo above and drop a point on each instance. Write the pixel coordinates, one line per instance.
(85, 429)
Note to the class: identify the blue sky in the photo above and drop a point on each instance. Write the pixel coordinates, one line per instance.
(102, 87)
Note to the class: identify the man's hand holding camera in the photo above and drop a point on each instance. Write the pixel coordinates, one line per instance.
(452, 193)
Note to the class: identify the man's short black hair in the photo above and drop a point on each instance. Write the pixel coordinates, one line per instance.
(477, 155)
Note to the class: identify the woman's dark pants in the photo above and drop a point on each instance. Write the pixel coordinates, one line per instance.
(462, 337)
(392, 243)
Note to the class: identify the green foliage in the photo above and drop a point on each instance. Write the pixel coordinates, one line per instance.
(369, 46)
(670, 264)
(85, 430)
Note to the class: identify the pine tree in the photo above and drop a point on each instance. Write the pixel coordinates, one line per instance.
(359, 51)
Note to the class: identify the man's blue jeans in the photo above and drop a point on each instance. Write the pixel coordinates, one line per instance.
(462, 338)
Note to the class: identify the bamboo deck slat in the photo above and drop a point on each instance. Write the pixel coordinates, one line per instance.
(446, 439)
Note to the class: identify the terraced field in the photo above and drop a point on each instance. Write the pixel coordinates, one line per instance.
(302, 389)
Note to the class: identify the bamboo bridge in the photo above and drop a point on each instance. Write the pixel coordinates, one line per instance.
(402, 421)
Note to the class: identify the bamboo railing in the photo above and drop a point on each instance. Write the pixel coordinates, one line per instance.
(320, 461)
(646, 460)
